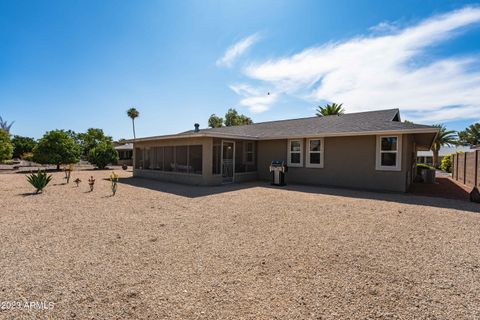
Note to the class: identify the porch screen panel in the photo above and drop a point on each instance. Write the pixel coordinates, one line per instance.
(181, 159)
(138, 158)
(146, 160)
(195, 161)
(216, 158)
(157, 163)
(245, 156)
(239, 165)
(169, 159)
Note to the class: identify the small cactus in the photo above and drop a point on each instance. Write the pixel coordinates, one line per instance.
(114, 180)
(91, 183)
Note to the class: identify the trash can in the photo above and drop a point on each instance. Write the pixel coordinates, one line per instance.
(278, 169)
(428, 175)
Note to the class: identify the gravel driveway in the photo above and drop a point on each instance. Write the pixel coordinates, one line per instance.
(246, 251)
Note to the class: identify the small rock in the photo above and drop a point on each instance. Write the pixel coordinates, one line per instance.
(131, 293)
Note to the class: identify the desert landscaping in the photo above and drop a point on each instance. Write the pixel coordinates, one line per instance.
(243, 251)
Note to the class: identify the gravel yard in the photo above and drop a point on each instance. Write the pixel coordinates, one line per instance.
(246, 251)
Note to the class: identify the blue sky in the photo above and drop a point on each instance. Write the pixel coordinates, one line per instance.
(80, 64)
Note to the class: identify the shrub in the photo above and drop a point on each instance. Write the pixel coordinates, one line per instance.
(27, 156)
(447, 163)
(39, 180)
(103, 154)
(57, 147)
(6, 147)
(421, 166)
(22, 145)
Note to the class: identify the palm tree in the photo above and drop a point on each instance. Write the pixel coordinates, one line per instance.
(5, 126)
(133, 113)
(444, 137)
(330, 110)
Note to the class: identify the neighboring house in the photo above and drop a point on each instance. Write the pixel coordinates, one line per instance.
(426, 157)
(367, 150)
(125, 154)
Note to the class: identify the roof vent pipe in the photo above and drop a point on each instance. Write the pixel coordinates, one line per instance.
(196, 127)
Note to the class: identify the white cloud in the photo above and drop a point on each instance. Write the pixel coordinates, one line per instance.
(237, 50)
(257, 100)
(384, 71)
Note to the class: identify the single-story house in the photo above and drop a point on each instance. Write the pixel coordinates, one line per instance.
(426, 157)
(367, 150)
(125, 154)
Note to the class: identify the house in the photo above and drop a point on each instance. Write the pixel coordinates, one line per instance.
(125, 154)
(426, 157)
(367, 150)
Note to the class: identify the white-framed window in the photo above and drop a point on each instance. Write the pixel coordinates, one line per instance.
(295, 153)
(249, 152)
(389, 153)
(315, 151)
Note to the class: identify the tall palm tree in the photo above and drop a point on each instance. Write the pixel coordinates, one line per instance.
(133, 113)
(444, 137)
(5, 126)
(330, 110)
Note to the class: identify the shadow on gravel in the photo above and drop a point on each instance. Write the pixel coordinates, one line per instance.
(202, 191)
(27, 194)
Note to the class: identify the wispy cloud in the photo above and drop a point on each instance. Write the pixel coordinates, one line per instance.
(382, 71)
(256, 99)
(237, 49)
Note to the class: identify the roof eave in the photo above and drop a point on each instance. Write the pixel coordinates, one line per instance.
(358, 133)
(319, 135)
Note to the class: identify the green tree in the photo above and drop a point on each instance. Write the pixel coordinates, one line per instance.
(5, 126)
(330, 110)
(132, 114)
(232, 118)
(471, 135)
(22, 145)
(444, 137)
(6, 147)
(215, 121)
(103, 154)
(56, 147)
(91, 139)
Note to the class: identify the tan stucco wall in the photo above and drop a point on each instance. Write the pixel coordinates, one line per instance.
(349, 162)
(205, 179)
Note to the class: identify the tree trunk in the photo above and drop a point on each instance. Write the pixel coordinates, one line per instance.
(58, 166)
(133, 123)
(435, 158)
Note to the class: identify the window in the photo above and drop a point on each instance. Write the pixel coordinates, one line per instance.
(249, 152)
(315, 153)
(295, 150)
(389, 153)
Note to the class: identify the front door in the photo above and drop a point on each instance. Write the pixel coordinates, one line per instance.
(228, 161)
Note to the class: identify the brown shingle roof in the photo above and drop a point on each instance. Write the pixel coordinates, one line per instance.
(356, 123)
(349, 122)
